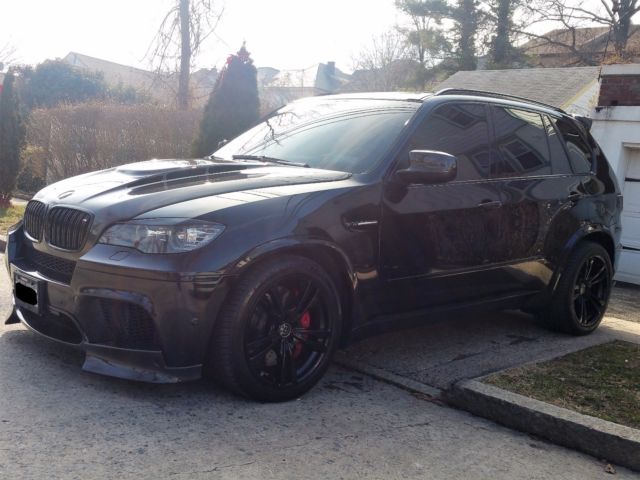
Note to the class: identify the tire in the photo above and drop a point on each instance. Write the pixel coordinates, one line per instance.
(276, 333)
(582, 294)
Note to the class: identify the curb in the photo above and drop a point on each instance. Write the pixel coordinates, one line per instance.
(600, 438)
(427, 391)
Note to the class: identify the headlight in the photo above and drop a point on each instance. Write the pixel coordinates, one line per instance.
(152, 236)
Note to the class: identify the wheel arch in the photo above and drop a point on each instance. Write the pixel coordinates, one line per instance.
(605, 240)
(326, 254)
(591, 233)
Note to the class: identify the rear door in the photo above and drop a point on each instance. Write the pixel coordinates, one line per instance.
(521, 168)
(537, 181)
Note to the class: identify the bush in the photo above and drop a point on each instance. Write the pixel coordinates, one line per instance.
(33, 170)
(85, 137)
(54, 81)
(28, 182)
(233, 105)
(12, 134)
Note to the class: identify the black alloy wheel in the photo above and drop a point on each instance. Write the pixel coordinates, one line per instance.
(582, 294)
(277, 332)
(288, 334)
(591, 291)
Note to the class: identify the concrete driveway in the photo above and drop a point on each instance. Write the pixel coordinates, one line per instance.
(458, 348)
(625, 302)
(59, 422)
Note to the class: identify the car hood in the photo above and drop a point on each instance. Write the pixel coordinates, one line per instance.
(130, 190)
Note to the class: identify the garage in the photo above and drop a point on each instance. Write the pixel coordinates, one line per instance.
(629, 268)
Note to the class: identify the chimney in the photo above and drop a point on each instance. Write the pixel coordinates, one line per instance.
(620, 86)
(331, 68)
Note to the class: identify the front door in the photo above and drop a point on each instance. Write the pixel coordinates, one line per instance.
(437, 239)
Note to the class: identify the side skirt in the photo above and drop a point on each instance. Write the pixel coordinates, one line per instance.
(391, 322)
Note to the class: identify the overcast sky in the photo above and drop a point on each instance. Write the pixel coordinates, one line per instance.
(279, 33)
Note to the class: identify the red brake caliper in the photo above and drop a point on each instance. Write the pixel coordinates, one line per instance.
(305, 322)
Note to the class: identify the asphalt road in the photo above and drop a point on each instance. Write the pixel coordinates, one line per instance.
(59, 422)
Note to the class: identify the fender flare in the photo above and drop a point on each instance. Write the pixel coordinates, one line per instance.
(272, 247)
(293, 244)
(586, 230)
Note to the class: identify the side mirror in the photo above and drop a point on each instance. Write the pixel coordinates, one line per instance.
(428, 166)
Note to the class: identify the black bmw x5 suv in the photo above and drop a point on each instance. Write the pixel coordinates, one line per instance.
(333, 218)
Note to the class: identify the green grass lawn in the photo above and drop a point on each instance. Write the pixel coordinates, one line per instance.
(10, 216)
(601, 381)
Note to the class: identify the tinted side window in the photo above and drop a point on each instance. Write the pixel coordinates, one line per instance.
(459, 129)
(521, 144)
(579, 151)
(559, 161)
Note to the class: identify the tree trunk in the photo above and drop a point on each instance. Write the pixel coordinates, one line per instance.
(501, 43)
(467, 25)
(185, 56)
(622, 26)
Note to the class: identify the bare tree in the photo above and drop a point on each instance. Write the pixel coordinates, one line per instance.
(7, 55)
(463, 19)
(423, 32)
(177, 43)
(383, 64)
(572, 15)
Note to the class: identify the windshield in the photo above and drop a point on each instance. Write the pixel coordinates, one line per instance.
(344, 135)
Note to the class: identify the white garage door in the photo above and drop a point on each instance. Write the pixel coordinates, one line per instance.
(631, 212)
(629, 267)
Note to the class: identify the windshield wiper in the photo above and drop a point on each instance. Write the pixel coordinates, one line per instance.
(263, 158)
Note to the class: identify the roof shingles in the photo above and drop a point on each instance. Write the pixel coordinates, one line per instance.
(554, 86)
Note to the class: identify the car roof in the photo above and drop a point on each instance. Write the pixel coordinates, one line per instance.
(498, 97)
(399, 96)
(480, 95)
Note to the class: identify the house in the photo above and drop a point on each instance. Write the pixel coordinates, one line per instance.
(392, 77)
(616, 127)
(577, 47)
(614, 105)
(161, 88)
(279, 87)
(575, 89)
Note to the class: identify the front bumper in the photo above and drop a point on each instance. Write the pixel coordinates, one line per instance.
(133, 323)
(140, 365)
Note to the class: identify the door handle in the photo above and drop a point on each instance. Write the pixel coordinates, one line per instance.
(490, 204)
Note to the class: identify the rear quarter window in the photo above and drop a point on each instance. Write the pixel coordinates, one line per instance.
(559, 161)
(578, 150)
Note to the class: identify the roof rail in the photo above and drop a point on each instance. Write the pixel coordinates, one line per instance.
(482, 93)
